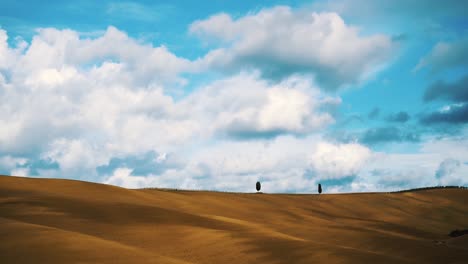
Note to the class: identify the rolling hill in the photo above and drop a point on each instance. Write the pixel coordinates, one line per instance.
(67, 221)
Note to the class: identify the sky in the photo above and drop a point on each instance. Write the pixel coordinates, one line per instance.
(356, 95)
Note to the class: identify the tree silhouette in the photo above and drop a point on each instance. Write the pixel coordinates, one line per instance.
(320, 188)
(258, 186)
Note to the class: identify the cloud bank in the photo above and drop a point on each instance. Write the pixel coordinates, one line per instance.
(115, 109)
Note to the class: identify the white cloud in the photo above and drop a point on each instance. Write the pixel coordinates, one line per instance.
(21, 172)
(54, 49)
(336, 161)
(8, 162)
(449, 147)
(452, 172)
(396, 171)
(70, 101)
(76, 104)
(50, 78)
(280, 41)
(247, 106)
(9, 55)
(122, 177)
(281, 164)
(438, 162)
(52, 93)
(63, 86)
(74, 154)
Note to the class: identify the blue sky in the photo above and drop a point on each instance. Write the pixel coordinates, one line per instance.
(358, 95)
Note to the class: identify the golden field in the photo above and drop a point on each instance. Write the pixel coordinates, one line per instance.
(66, 221)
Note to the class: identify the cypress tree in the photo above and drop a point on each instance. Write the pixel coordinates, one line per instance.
(258, 186)
(320, 188)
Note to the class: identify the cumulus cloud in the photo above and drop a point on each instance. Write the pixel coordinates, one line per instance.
(74, 156)
(63, 86)
(338, 161)
(79, 101)
(74, 109)
(51, 50)
(280, 41)
(8, 55)
(245, 106)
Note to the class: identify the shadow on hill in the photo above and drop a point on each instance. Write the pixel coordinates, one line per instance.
(457, 233)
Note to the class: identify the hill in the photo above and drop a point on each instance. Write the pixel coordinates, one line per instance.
(66, 221)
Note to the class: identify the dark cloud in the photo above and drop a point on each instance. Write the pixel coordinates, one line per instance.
(241, 130)
(456, 114)
(400, 117)
(271, 68)
(456, 92)
(388, 134)
(374, 113)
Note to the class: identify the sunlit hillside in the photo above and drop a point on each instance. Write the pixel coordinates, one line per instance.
(65, 221)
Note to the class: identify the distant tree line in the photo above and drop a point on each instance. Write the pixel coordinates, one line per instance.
(320, 190)
(430, 188)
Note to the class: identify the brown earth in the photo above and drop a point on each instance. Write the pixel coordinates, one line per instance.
(66, 221)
